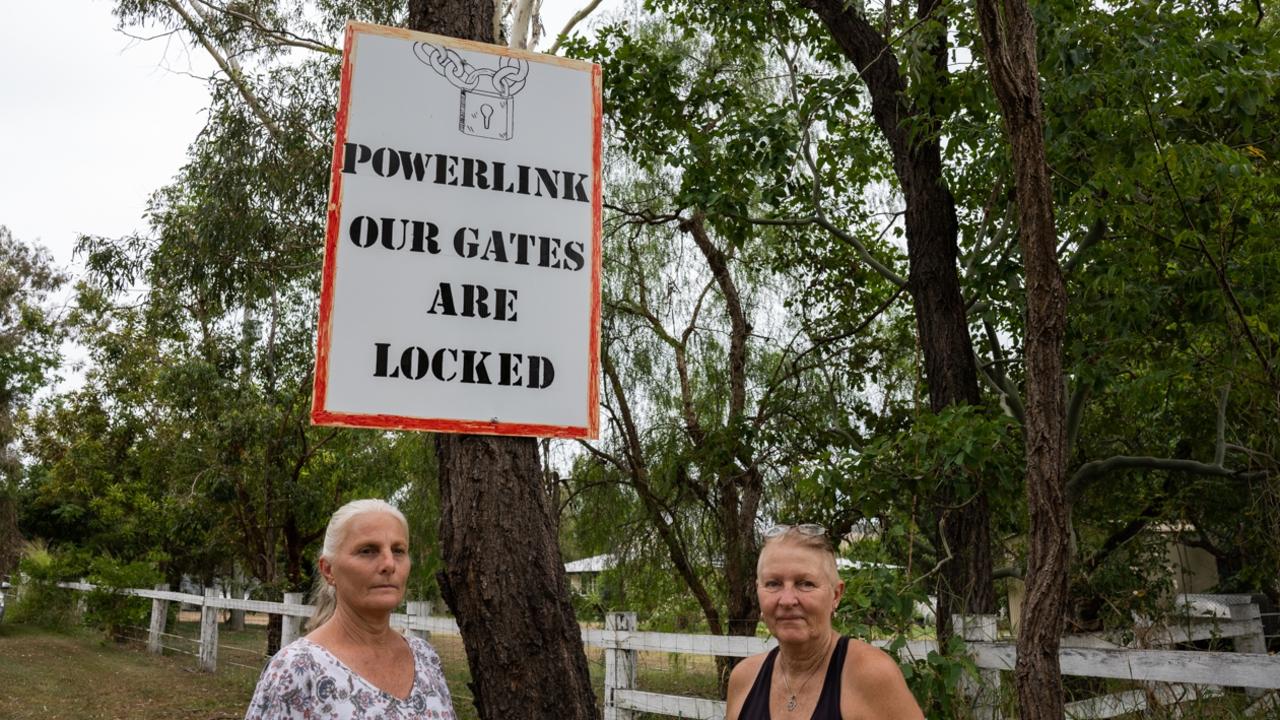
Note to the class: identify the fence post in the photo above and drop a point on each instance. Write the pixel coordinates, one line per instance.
(419, 609)
(1255, 641)
(82, 602)
(291, 625)
(619, 664)
(159, 620)
(209, 631)
(984, 694)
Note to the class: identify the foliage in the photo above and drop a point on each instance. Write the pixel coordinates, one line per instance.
(40, 601)
(108, 609)
(190, 444)
(879, 602)
(30, 333)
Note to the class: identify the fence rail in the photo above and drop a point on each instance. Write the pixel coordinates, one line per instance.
(1189, 674)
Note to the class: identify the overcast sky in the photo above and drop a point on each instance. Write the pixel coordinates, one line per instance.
(92, 122)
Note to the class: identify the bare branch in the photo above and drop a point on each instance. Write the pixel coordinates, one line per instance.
(1090, 472)
(1011, 572)
(521, 15)
(857, 244)
(573, 21)
(230, 67)
(1096, 232)
(1075, 412)
(277, 36)
(717, 261)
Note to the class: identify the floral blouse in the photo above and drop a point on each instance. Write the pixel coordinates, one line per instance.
(304, 681)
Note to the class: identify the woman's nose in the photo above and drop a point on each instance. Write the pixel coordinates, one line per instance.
(386, 561)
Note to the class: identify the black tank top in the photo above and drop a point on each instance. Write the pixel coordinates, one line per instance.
(756, 706)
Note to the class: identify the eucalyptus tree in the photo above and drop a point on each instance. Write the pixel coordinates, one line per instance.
(715, 395)
(503, 576)
(30, 333)
(899, 60)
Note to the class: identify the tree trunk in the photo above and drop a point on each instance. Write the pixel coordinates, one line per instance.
(505, 583)
(503, 577)
(1009, 33)
(962, 532)
(10, 538)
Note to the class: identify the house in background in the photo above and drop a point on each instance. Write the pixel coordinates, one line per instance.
(584, 574)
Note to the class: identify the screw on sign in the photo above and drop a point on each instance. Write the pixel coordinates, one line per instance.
(487, 106)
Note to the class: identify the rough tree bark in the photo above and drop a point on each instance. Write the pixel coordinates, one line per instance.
(963, 533)
(1009, 33)
(503, 577)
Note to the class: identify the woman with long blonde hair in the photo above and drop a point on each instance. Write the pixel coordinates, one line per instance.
(351, 663)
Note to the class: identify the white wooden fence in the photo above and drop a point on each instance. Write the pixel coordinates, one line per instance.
(1184, 674)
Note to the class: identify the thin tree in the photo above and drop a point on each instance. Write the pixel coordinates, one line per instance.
(909, 126)
(1009, 33)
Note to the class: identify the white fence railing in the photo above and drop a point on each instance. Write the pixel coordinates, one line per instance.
(1185, 674)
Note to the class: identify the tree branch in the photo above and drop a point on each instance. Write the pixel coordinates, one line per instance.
(1092, 471)
(1096, 232)
(1075, 412)
(230, 67)
(278, 36)
(857, 244)
(573, 21)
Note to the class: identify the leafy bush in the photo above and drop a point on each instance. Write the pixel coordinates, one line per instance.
(39, 600)
(111, 611)
(879, 602)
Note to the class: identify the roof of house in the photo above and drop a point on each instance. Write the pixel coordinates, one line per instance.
(596, 563)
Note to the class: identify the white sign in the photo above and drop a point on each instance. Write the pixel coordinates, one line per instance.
(461, 283)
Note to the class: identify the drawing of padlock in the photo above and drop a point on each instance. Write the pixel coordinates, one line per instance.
(486, 114)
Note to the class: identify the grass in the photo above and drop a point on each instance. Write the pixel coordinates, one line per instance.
(52, 676)
(78, 674)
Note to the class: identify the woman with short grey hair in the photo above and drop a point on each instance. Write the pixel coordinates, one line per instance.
(814, 673)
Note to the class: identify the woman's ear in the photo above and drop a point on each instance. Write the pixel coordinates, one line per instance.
(839, 594)
(326, 569)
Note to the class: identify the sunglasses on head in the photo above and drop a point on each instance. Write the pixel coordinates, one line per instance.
(808, 529)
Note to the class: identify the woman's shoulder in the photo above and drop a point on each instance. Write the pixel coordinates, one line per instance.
(301, 653)
(867, 664)
(421, 647)
(425, 655)
(285, 687)
(877, 685)
(745, 672)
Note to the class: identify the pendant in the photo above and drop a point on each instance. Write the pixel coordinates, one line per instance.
(791, 704)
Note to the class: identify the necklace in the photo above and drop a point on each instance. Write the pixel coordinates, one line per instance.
(792, 702)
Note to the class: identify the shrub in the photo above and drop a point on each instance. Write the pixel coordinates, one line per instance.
(110, 611)
(39, 600)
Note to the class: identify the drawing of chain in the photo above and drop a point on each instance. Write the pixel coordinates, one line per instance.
(506, 81)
